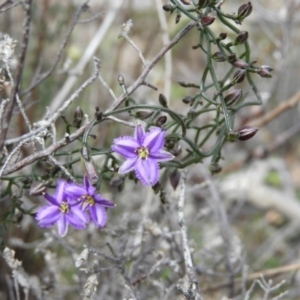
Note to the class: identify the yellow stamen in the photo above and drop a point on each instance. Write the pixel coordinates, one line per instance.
(64, 207)
(87, 201)
(143, 152)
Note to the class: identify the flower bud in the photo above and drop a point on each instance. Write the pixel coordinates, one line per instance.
(168, 7)
(222, 36)
(233, 97)
(176, 151)
(239, 63)
(178, 17)
(241, 38)
(157, 188)
(244, 11)
(187, 100)
(215, 168)
(78, 117)
(161, 121)
(192, 113)
(98, 114)
(246, 133)
(218, 57)
(207, 20)
(264, 71)
(121, 80)
(170, 144)
(163, 100)
(232, 58)
(238, 76)
(175, 178)
(90, 168)
(196, 46)
(38, 188)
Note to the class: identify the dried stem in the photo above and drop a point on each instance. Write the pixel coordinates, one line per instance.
(193, 292)
(10, 106)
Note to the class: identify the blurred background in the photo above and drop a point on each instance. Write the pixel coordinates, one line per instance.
(258, 188)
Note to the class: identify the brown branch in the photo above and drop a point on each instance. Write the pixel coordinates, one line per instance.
(281, 108)
(5, 3)
(9, 109)
(256, 275)
(141, 79)
(46, 74)
(260, 152)
(32, 158)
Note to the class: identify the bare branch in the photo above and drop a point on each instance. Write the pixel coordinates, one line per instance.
(10, 106)
(150, 66)
(193, 291)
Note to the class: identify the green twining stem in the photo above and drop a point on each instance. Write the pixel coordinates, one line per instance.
(172, 114)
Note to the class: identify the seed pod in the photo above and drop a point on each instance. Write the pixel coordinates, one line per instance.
(218, 56)
(78, 117)
(161, 121)
(238, 76)
(241, 38)
(163, 100)
(246, 133)
(207, 20)
(233, 97)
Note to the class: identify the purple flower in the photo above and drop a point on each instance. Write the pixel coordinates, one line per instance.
(88, 198)
(143, 152)
(63, 210)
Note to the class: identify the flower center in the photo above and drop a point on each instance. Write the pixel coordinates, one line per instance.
(64, 207)
(143, 152)
(87, 201)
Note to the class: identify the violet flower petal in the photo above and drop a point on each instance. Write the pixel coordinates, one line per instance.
(47, 215)
(98, 215)
(128, 165)
(62, 225)
(86, 182)
(162, 155)
(147, 170)
(154, 139)
(103, 201)
(74, 191)
(139, 134)
(125, 146)
(60, 189)
(51, 199)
